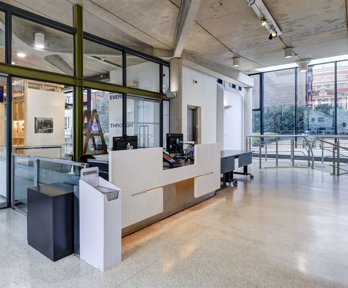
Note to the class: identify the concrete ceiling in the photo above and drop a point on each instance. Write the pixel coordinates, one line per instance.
(222, 29)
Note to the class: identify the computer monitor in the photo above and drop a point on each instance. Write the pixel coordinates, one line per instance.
(125, 143)
(175, 143)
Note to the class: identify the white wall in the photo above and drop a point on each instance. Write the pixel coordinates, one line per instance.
(46, 104)
(233, 120)
(220, 115)
(201, 94)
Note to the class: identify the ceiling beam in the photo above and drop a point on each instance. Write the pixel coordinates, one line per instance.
(186, 18)
(219, 71)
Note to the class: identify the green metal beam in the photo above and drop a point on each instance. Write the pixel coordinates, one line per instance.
(78, 91)
(29, 73)
(121, 89)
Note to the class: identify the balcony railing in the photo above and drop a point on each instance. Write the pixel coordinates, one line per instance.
(303, 150)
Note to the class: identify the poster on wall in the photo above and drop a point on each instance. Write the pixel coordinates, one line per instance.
(43, 125)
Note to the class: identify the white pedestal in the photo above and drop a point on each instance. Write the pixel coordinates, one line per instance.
(100, 221)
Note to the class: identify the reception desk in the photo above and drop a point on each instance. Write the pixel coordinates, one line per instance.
(151, 193)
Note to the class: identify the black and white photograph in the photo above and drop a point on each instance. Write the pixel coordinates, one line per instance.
(43, 125)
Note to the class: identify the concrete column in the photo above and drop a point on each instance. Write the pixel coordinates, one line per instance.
(248, 111)
(176, 103)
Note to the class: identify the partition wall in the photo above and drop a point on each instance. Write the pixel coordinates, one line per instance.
(56, 78)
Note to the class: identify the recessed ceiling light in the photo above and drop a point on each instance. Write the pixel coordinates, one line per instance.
(21, 55)
(39, 40)
(13, 63)
(236, 62)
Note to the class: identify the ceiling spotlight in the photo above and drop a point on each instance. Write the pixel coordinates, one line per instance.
(39, 40)
(263, 21)
(21, 55)
(288, 53)
(303, 64)
(236, 62)
(274, 33)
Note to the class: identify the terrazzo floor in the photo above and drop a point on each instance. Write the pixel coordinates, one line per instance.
(286, 228)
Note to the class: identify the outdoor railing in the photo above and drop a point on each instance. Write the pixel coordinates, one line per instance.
(329, 150)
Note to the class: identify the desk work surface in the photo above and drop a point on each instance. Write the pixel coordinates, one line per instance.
(234, 153)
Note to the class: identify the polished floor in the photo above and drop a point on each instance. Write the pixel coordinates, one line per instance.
(286, 228)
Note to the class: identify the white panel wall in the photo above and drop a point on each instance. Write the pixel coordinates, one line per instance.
(46, 104)
(201, 94)
(233, 120)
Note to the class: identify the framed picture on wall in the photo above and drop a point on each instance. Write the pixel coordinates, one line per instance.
(43, 125)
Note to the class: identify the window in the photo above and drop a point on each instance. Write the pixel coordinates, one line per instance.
(142, 74)
(279, 102)
(143, 120)
(40, 47)
(256, 122)
(105, 107)
(342, 97)
(166, 75)
(102, 63)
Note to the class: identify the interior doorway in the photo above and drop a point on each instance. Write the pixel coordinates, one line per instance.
(194, 124)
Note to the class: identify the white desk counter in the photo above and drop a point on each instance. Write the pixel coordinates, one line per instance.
(144, 182)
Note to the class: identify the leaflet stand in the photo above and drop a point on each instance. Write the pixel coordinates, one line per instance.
(100, 220)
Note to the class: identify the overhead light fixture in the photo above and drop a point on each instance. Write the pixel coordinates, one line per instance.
(39, 40)
(13, 63)
(266, 18)
(288, 53)
(21, 55)
(236, 62)
(303, 64)
(263, 21)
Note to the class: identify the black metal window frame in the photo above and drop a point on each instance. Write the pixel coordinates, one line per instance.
(36, 74)
(261, 105)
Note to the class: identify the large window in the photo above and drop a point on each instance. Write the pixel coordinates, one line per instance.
(279, 102)
(142, 74)
(39, 118)
(102, 63)
(256, 105)
(2, 37)
(102, 120)
(342, 97)
(143, 120)
(40, 47)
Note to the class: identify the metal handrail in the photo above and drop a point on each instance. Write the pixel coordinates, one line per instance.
(336, 150)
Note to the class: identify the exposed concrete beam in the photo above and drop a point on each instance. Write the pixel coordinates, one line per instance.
(219, 71)
(187, 15)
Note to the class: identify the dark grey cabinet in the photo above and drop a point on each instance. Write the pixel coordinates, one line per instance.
(50, 220)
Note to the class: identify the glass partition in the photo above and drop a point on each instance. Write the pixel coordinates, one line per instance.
(102, 63)
(142, 74)
(3, 166)
(166, 122)
(39, 114)
(102, 120)
(143, 120)
(2, 36)
(35, 171)
(166, 77)
(40, 47)
(342, 97)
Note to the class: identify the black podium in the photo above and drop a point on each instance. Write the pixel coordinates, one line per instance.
(50, 220)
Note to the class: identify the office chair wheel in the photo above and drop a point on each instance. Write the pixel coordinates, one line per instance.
(235, 183)
(251, 176)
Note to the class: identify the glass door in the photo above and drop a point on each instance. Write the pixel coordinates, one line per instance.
(3, 162)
